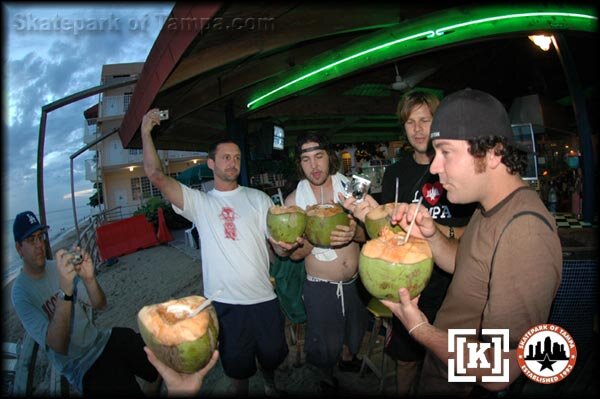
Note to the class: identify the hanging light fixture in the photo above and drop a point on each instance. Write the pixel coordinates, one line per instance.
(542, 41)
(131, 168)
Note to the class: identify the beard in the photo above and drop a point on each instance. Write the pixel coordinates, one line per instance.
(228, 175)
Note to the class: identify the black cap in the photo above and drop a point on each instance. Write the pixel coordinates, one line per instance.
(468, 114)
(25, 224)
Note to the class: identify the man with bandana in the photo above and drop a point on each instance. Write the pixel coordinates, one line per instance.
(337, 318)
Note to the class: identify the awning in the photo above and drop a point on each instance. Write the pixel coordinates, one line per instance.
(91, 112)
(195, 175)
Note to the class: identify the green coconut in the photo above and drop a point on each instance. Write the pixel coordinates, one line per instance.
(379, 217)
(183, 343)
(286, 223)
(385, 265)
(321, 221)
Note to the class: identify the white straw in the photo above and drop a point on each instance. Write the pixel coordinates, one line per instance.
(205, 303)
(413, 221)
(322, 195)
(280, 196)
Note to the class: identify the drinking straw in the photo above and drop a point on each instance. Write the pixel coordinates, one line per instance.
(413, 221)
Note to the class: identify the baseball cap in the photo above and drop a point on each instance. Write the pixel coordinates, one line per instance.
(470, 113)
(26, 223)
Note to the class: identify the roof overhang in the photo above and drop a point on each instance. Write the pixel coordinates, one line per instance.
(197, 74)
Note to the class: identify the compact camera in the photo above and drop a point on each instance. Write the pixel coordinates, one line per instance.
(163, 114)
(358, 188)
(77, 258)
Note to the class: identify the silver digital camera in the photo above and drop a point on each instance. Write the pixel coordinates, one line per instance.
(163, 114)
(358, 188)
(76, 259)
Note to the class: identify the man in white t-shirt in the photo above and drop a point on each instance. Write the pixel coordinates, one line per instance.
(231, 222)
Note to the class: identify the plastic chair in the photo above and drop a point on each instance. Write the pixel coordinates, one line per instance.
(189, 238)
(382, 318)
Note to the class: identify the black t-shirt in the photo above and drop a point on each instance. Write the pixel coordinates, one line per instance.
(415, 182)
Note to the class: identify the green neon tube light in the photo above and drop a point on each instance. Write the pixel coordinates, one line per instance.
(439, 29)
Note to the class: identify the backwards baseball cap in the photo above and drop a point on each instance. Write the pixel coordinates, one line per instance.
(468, 114)
(26, 223)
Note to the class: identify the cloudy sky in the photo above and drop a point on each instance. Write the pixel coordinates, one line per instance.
(51, 52)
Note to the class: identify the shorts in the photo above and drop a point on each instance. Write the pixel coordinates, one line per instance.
(113, 373)
(401, 346)
(327, 329)
(250, 332)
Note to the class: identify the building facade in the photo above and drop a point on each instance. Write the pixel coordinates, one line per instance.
(119, 171)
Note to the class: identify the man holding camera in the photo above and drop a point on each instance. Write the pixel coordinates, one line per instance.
(51, 299)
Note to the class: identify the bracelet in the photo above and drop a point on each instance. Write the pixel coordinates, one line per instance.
(415, 327)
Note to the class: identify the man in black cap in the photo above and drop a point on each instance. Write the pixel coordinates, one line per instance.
(507, 265)
(50, 298)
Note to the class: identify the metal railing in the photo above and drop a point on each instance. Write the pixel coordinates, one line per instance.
(87, 236)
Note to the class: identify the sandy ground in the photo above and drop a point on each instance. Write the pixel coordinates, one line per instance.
(156, 274)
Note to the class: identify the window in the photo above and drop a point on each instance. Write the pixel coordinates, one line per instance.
(141, 188)
(135, 189)
(135, 151)
(146, 189)
(126, 101)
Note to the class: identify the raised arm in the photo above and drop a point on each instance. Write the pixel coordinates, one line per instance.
(57, 335)
(85, 270)
(168, 186)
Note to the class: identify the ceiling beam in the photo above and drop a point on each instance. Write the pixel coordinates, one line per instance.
(287, 29)
(220, 84)
(328, 105)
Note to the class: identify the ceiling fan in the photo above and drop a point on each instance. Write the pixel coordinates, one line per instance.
(411, 78)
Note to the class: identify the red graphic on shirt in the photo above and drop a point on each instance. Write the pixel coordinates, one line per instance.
(432, 192)
(228, 217)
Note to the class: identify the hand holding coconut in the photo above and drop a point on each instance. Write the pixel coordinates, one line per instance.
(185, 344)
(181, 384)
(342, 235)
(286, 224)
(283, 248)
(322, 221)
(407, 310)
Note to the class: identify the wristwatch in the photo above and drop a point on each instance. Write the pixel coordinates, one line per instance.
(62, 295)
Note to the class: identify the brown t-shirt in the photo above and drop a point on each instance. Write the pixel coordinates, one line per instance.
(521, 285)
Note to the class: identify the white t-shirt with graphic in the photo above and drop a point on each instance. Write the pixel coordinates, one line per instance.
(232, 226)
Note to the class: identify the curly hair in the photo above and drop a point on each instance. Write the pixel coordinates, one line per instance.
(334, 161)
(514, 158)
